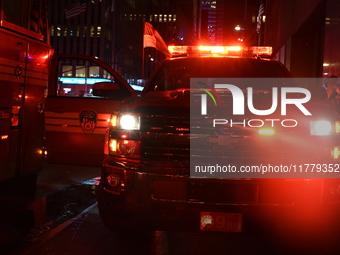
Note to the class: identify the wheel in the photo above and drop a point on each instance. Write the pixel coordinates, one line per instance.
(116, 221)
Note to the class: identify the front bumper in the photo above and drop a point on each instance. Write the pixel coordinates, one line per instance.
(172, 202)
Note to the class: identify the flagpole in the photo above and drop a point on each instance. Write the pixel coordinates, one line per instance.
(143, 64)
(259, 22)
(151, 38)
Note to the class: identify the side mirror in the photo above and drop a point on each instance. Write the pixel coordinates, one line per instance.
(109, 90)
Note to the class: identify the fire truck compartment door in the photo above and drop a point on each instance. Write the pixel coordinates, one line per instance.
(76, 120)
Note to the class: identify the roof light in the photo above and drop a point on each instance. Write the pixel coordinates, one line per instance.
(205, 50)
(261, 50)
(234, 48)
(178, 50)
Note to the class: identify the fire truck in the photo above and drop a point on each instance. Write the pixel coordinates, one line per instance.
(24, 61)
(53, 106)
(209, 147)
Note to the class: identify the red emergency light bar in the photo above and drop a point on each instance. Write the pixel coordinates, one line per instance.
(263, 51)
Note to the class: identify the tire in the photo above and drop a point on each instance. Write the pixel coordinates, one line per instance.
(117, 222)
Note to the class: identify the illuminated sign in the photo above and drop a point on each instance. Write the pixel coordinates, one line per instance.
(91, 81)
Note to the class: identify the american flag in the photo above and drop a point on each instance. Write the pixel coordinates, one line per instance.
(259, 17)
(153, 39)
(75, 9)
(148, 28)
(149, 37)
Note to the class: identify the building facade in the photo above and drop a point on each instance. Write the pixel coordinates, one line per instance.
(90, 32)
(305, 35)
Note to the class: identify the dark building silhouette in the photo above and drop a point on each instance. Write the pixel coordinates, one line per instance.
(91, 32)
(112, 30)
(305, 35)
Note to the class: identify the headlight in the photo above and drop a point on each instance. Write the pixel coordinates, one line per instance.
(126, 122)
(322, 127)
(129, 122)
(127, 148)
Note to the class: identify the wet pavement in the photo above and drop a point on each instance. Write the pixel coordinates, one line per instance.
(63, 219)
(63, 191)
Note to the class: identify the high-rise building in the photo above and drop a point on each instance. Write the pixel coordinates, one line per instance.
(112, 30)
(307, 43)
(225, 22)
(88, 29)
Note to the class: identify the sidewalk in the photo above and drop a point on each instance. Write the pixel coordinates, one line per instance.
(57, 186)
(55, 177)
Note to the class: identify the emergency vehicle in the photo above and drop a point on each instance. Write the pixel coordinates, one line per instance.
(146, 180)
(24, 61)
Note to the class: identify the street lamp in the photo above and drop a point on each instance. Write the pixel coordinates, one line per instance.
(238, 28)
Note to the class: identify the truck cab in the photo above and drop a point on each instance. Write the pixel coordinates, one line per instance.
(186, 155)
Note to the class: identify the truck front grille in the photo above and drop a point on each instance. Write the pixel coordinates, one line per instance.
(166, 139)
(173, 140)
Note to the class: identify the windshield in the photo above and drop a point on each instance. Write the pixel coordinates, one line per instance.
(175, 74)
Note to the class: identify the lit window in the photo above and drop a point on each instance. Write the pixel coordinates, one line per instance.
(80, 71)
(67, 70)
(94, 71)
